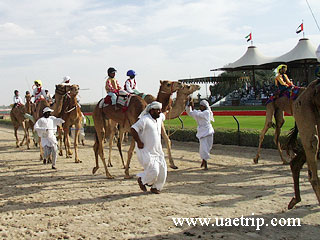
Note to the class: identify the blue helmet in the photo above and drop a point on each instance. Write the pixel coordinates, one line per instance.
(131, 73)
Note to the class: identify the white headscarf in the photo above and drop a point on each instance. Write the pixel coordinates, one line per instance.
(153, 105)
(206, 104)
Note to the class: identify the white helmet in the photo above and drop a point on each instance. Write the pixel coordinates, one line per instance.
(66, 79)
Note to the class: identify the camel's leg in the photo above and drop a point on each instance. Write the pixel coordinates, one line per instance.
(168, 143)
(23, 125)
(67, 142)
(15, 128)
(110, 147)
(101, 154)
(60, 132)
(295, 166)
(310, 144)
(96, 152)
(279, 117)
(130, 153)
(119, 145)
(267, 125)
(76, 137)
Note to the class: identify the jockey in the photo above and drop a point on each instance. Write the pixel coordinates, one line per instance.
(282, 81)
(130, 84)
(17, 100)
(38, 92)
(112, 86)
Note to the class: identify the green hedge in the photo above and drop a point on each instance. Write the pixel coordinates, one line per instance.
(245, 137)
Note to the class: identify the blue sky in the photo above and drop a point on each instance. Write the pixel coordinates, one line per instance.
(160, 39)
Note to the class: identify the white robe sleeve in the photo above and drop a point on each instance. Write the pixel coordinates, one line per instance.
(42, 131)
(128, 87)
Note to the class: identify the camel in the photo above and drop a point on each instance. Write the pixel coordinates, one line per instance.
(71, 114)
(17, 118)
(164, 96)
(276, 109)
(306, 110)
(126, 119)
(30, 108)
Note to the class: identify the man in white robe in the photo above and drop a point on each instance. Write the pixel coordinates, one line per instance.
(46, 128)
(147, 133)
(205, 131)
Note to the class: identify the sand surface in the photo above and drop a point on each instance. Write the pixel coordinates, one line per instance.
(71, 203)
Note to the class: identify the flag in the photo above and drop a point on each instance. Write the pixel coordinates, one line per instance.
(249, 37)
(300, 28)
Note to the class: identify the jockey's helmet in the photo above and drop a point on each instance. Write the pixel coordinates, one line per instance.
(111, 70)
(38, 81)
(280, 67)
(66, 79)
(131, 73)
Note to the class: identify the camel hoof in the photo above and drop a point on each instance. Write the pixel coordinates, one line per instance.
(60, 154)
(173, 166)
(41, 158)
(17, 146)
(109, 176)
(78, 161)
(128, 177)
(28, 148)
(94, 170)
(292, 203)
(255, 160)
(285, 163)
(110, 165)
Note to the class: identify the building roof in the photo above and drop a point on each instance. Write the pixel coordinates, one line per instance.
(303, 52)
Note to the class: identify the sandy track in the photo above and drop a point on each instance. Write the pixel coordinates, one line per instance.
(71, 203)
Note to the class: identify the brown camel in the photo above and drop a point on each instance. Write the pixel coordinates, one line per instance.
(30, 108)
(126, 119)
(125, 124)
(18, 119)
(276, 109)
(167, 88)
(71, 114)
(306, 110)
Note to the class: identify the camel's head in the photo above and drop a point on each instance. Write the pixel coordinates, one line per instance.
(28, 98)
(74, 89)
(61, 89)
(188, 89)
(170, 86)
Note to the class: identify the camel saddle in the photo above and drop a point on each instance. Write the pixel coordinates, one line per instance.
(291, 94)
(123, 99)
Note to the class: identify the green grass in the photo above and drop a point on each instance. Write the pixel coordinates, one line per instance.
(246, 122)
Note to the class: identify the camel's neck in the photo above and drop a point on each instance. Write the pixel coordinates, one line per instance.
(178, 106)
(163, 98)
(57, 107)
(28, 107)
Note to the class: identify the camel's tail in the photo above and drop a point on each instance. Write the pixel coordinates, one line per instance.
(292, 141)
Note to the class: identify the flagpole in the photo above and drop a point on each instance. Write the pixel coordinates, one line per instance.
(251, 39)
(302, 29)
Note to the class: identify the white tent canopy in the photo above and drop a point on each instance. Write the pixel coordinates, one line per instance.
(252, 57)
(304, 50)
